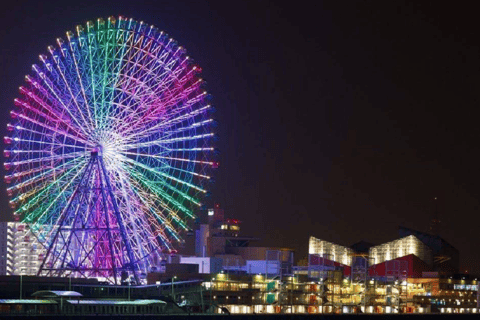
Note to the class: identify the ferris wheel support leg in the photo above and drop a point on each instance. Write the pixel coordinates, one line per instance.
(123, 232)
(73, 230)
(107, 221)
(62, 219)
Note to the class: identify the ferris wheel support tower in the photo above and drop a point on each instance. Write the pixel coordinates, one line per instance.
(90, 239)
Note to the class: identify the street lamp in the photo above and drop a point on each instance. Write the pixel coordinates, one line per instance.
(211, 289)
(173, 291)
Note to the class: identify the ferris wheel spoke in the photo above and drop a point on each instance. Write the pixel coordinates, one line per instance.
(143, 72)
(157, 210)
(167, 142)
(43, 191)
(57, 144)
(68, 85)
(192, 126)
(164, 195)
(41, 176)
(181, 150)
(202, 176)
(40, 134)
(163, 125)
(123, 38)
(164, 175)
(46, 159)
(161, 222)
(134, 126)
(134, 55)
(21, 174)
(179, 118)
(127, 67)
(75, 52)
(52, 120)
(54, 173)
(132, 213)
(30, 153)
(139, 154)
(162, 163)
(148, 72)
(139, 60)
(91, 44)
(140, 98)
(109, 78)
(158, 220)
(51, 129)
(116, 76)
(58, 98)
(180, 139)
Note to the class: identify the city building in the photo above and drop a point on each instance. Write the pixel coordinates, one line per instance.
(414, 273)
(218, 234)
(20, 250)
(206, 265)
(220, 237)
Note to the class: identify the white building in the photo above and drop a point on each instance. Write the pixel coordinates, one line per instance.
(205, 264)
(20, 251)
(330, 251)
(400, 248)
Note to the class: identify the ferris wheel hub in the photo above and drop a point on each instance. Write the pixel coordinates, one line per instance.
(96, 151)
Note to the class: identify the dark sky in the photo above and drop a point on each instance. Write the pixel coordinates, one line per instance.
(338, 119)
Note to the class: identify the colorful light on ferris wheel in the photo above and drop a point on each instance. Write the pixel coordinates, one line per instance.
(124, 93)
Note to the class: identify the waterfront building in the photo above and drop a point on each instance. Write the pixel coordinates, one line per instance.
(413, 273)
(20, 251)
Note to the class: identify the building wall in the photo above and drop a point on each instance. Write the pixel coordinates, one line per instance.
(263, 253)
(400, 248)
(206, 265)
(201, 241)
(217, 245)
(263, 267)
(23, 253)
(410, 266)
(318, 266)
(330, 251)
(3, 248)
(440, 248)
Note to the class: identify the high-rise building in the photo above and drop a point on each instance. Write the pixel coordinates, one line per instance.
(20, 251)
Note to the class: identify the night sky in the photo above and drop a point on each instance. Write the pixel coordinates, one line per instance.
(339, 119)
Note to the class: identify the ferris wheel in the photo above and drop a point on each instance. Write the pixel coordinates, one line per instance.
(110, 149)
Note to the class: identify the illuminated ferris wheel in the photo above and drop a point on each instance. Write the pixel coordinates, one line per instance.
(110, 149)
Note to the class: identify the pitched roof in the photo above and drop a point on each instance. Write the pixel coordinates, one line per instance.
(436, 243)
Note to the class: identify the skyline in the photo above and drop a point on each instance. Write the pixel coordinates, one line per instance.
(340, 119)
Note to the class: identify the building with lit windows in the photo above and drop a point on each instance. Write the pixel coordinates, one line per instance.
(220, 237)
(218, 234)
(20, 251)
(414, 273)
